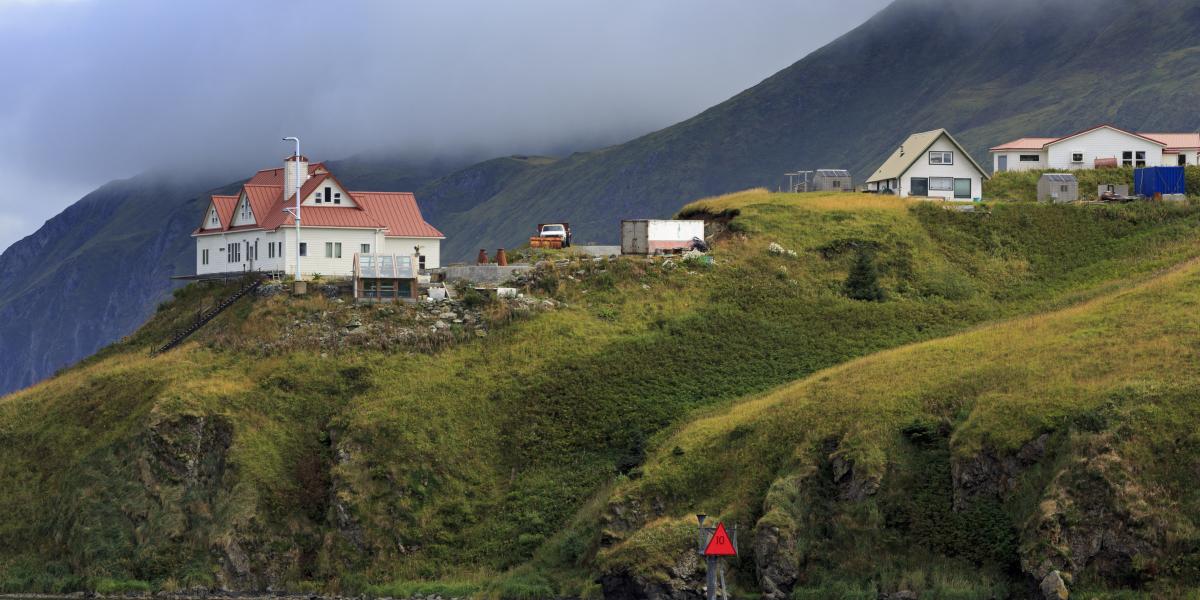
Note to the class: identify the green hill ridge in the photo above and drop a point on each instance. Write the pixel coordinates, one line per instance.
(561, 454)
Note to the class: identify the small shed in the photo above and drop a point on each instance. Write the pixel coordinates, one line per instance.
(1057, 188)
(384, 278)
(831, 180)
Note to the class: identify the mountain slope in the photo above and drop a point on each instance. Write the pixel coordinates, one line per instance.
(302, 444)
(987, 71)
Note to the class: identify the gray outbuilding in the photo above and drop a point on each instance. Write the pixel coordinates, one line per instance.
(832, 180)
(1058, 188)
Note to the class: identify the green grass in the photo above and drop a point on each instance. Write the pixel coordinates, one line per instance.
(1022, 185)
(901, 416)
(488, 465)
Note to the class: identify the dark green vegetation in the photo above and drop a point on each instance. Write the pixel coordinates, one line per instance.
(1022, 186)
(995, 71)
(572, 445)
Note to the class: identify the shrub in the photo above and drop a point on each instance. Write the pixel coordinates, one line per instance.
(863, 281)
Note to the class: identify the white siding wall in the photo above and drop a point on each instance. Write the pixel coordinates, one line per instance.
(1014, 160)
(674, 231)
(238, 221)
(431, 249)
(316, 238)
(1172, 160)
(319, 193)
(218, 260)
(962, 168)
(1101, 143)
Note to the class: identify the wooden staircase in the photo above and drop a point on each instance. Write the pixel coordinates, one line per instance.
(208, 316)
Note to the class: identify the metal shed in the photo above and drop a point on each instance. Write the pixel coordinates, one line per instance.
(831, 180)
(1057, 188)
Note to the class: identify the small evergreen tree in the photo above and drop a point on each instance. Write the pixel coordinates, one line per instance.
(863, 281)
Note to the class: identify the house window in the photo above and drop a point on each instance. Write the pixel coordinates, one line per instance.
(213, 221)
(204, 256)
(246, 215)
(333, 249)
(941, 184)
(1130, 158)
(271, 250)
(328, 194)
(941, 158)
(303, 248)
(280, 253)
(1064, 188)
(837, 183)
(421, 262)
(1127, 158)
(1141, 158)
(1031, 158)
(364, 248)
(233, 253)
(337, 197)
(1182, 159)
(1076, 157)
(962, 188)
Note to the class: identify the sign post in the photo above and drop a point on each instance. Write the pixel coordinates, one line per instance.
(715, 543)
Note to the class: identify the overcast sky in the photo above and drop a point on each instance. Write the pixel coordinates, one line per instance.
(103, 89)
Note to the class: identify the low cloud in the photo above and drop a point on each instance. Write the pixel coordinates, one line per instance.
(110, 89)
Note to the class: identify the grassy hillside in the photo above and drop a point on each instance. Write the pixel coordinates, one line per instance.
(487, 465)
(1000, 71)
(1022, 185)
(1093, 405)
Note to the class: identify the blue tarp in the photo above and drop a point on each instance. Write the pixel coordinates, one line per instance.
(1158, 180)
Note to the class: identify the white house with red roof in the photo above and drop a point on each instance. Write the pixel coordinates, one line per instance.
(252, 231)
(1103, 143)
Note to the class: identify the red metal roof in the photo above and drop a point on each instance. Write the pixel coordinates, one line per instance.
(1176, 141)
(396, 213)
(225, 206)
(1027, 143)
(399, 213)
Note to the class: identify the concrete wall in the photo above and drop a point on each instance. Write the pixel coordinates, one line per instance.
(1104, 142)
(491, 274)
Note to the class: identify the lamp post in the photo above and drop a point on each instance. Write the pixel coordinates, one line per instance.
(297, 213)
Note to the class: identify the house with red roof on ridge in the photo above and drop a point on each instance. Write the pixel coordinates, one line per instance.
(1098, 146)
(255, 230)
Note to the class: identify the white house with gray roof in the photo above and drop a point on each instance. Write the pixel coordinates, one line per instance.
(930, 164)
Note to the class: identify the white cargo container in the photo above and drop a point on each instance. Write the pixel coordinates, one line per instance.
(658, 236)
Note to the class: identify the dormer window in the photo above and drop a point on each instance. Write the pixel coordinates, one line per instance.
(246, 214)
(213, 220)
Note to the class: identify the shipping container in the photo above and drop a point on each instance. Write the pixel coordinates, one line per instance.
(654, 236)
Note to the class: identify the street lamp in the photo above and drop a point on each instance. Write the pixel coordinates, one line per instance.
(297, 213)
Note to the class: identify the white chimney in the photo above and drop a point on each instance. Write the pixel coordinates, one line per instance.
(291, 165)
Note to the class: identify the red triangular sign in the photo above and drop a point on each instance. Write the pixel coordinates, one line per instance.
(720, 544)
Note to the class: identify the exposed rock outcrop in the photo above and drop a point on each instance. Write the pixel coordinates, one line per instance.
(1094, 515)
(683, 581)
(989, 473)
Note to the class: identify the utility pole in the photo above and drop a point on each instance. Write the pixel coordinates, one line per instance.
(296, 214)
